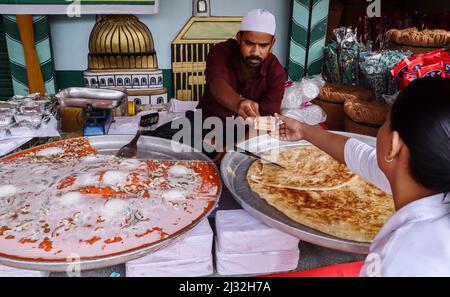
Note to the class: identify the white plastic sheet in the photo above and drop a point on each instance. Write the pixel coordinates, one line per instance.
(239, 232)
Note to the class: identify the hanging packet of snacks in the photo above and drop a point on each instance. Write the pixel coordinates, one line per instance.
(341, 58)
(433, 70)
(377, 71)
(331, 63)
(407, 78)
(349, 65)
(431, 64)
(374, 75)
(349, 55)
(446, 61)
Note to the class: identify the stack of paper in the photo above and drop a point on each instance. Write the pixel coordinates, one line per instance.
(180, 107)
(189, 256)
(244, 245)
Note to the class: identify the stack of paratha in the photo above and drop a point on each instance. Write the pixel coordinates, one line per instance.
(319, 192)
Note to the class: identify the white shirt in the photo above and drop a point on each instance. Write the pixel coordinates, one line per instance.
(415, 241)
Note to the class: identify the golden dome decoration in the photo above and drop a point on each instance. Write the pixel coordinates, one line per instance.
(121, 42)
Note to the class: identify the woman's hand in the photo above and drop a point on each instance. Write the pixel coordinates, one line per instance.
(290, 130)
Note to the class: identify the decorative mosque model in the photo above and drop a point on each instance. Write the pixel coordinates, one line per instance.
(122, 55)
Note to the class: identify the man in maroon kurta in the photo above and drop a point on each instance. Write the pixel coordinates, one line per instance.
(243, 77)
(263, 84)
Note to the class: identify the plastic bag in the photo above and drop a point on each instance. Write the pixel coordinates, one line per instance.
(302, 92)
(310, 114)
(341, 57)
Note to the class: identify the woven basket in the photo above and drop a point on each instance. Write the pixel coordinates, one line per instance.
(332, 98)
(360, 128)
(364, 117)
(417, 41)
(339, 93)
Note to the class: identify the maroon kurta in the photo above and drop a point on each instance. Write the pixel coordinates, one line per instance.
(267, 88)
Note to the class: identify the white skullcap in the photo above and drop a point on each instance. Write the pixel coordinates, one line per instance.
(259, 20)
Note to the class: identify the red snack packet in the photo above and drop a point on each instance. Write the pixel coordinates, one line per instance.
(435, 53)
(415, 64)
(400, 68)
(407, 78)
(432, 57)
(434, 70)
(446, 62)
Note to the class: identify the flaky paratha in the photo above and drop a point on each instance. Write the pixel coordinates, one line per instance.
(307, 169)
(353, 210)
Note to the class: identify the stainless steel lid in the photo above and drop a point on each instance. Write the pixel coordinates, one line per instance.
(95, 98)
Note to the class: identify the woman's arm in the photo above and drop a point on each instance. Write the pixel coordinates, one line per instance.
(332, 144)
(358, 156)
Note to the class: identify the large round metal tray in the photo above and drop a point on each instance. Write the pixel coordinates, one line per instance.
(238, 186)
(148, 148)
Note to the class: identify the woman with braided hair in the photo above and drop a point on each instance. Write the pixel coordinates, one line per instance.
(412, 162)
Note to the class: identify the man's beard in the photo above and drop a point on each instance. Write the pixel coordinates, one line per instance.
(248, 61)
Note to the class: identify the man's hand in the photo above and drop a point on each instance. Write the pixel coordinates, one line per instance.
(290, 130)
(248, 108)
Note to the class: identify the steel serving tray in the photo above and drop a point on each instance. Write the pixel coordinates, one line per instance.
(148, 148)
(234, 168)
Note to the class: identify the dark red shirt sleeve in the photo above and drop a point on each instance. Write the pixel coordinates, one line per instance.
(218, 64)
(271, 100)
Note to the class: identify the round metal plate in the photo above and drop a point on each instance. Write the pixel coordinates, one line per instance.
(148, 148)
(238, 186)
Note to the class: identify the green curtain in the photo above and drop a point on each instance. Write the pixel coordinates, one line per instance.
(16, 55)
(308, 33)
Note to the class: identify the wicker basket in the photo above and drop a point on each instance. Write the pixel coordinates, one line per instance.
(417, 41)
(332, 98)
(364, 117)
(339, 93)
(360, 128)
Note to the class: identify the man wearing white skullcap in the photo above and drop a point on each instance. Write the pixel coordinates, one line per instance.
(259, 20)
(243, 77)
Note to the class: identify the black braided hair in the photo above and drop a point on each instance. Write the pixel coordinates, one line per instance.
(421, 116)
